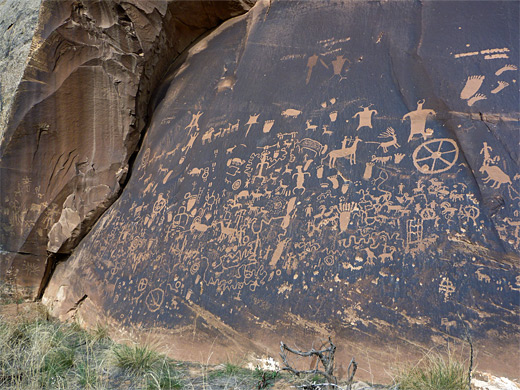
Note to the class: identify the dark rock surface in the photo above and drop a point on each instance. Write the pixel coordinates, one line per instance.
(310, 169)
(77, 116)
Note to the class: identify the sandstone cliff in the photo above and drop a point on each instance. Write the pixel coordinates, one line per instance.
(297, 178)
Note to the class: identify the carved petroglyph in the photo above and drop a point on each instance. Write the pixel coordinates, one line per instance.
(194, 124)
(345, 152)
(291, 113)
(418, 121)
(494, 174)
(446, 287)
(501, 85)
(365, 117)
(253, 120)
(471, 87)
(435, 156)
(505, 68)
(389, 133)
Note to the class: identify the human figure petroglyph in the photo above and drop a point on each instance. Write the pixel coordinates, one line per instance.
(337, 66)
(446, 287)
(344, 152)
(300, 178)
(194, 124)
(365, 117)
(486, 149)
(262, 166)
(190, 143)
(418, 121)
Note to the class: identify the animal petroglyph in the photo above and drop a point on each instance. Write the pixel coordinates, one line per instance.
(494, 174)
(435, 156)
(291, 113)
(344, 152)
(389, 133)
(418, 121)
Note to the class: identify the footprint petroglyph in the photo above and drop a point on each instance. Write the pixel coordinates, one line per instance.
(473, 84)
(506, 68)
(501, 86)
(476, 98)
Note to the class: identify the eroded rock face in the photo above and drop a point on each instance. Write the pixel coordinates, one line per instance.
(17, 23)
(77, 116)
(315, 169)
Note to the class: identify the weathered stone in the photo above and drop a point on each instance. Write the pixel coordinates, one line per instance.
(77, 116)
(17, 23)
(323, 168)
(309, 169)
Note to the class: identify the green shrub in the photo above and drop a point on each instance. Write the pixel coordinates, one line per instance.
(165, 378)
(135, 359)
(434, 372)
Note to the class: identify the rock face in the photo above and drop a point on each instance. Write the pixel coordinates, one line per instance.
(17, 23)
(77, 116)
(309, 169)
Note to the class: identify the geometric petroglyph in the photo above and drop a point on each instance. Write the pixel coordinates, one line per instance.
(435, 156)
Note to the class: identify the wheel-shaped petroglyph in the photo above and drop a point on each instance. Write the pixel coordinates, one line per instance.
(436, 155)
(154, 299)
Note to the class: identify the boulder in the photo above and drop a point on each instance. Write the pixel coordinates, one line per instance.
(77, 116)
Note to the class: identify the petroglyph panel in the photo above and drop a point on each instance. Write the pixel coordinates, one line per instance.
(331, 171)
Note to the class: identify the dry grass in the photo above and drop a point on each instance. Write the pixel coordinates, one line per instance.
(434, 372)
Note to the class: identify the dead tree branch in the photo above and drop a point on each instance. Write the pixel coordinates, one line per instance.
(325, 356)
(352, 365)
